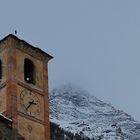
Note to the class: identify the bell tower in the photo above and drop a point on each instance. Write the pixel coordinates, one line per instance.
(24, 87)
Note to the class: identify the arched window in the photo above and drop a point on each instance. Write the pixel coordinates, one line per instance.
(29, 71)
(0, 69)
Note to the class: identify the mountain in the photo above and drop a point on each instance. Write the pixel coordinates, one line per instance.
(77, 111)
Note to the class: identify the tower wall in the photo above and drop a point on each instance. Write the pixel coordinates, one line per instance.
(24, 102)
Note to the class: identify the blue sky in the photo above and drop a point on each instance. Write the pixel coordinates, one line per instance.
(95, 44)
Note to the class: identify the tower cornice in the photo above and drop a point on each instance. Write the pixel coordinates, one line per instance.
(25, 47)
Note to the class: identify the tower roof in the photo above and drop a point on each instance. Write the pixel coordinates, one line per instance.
(5, 119)
(24, 44)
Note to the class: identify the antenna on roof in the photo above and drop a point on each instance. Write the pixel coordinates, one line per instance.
(15, 32)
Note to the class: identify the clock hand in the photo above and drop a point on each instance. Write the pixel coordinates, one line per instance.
(34, 103)
(28, 105)
(31, 103)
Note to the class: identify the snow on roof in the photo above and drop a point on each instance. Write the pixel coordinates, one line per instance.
(4, 117)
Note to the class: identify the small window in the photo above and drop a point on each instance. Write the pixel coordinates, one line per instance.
(29, 71)
(0, 69)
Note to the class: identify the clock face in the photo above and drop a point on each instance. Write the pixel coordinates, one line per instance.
(30, 103)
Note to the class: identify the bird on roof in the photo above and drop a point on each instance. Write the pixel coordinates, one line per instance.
(15, 32)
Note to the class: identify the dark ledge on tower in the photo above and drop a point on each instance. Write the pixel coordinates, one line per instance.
(5, 120)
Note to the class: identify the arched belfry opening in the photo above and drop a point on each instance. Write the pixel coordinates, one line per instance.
(29, 71)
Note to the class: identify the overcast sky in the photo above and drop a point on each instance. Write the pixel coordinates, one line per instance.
(95, 44)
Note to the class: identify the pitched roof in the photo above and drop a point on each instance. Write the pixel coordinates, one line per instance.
(5, 119)
(26, 43)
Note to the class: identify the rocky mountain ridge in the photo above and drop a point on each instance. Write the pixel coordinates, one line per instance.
(77, 111)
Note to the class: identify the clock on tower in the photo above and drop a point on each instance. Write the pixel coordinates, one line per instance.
(24, 87)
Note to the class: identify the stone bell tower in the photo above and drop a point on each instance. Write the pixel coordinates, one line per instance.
(24, 87)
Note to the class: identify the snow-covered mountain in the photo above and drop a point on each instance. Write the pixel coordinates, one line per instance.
(77, 111)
